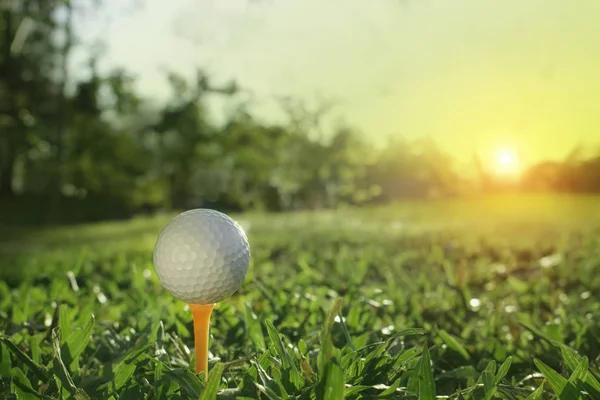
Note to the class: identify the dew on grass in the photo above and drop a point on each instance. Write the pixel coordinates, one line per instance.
(388, 330)
(475, 304)
(551, 261)
(73, 281)
(585, 295)
(510, 308)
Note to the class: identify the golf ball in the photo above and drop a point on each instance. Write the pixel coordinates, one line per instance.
(202, 256)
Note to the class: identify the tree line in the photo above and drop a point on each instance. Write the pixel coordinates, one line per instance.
(91, 149)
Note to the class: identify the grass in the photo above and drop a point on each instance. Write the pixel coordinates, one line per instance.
(469, 299)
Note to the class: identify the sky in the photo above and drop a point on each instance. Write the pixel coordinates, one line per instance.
(478, 76)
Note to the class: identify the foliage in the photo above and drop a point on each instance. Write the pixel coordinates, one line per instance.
(87, 149)
(82, 142)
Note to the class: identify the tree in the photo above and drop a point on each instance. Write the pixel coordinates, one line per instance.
(181, 130)
(27, 87)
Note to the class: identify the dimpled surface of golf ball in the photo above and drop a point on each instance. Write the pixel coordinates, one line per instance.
(202, 256)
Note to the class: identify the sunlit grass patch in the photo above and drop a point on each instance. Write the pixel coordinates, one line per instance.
(331, 307)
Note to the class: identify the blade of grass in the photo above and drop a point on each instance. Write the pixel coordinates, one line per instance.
(488, 385)
(39, 370)
(271, 385)
(255, 332)
(346, 333)
(187, 380)
(271, 395)
(453, 343)
(572, 360)
(21, 386)
(214, 380)
(503, 370)
(556, 381)
(537, 393)
(286, 358)
(61, 371)
(5, 362)
(77, 342)
(580, 373)
(523, 321)
(326, 343)
(64, 322)
(426, 382)
(334, 382)
(123, 370)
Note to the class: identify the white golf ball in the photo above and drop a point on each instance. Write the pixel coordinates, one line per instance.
(202, 256)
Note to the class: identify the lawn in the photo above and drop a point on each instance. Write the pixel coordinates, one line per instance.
(465, 299)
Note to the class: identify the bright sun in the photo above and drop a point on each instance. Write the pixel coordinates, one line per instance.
(507, 162)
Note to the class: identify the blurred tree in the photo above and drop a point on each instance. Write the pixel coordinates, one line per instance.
(182, 129)
(414, 169)
(348, 160)
(97, 150)
(28, 91)
(544, 176)
(577, 173)
(394, 170)
(250, 157)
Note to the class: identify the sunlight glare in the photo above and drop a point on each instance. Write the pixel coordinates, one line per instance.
(507, 162)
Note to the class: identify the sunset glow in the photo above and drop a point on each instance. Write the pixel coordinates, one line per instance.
(507, 162)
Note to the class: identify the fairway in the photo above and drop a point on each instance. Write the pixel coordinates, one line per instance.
(354, 302)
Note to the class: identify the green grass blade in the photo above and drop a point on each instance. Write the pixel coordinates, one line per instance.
(122, 373)
(64, 322)
(36, 351)
(572, 360)
(270, 393)
(573, 388)
(124, 370)
(488, 384)
(286, 358)
(326, 344)
(77, 342)
(353, 391)
(214, 381)
(580, 373)
(525, 322)
(453, 343)
(406, 356)
(346, 333)
(61, 371)
(334, 382)
(537, 393)
(426, 382)
(392, 389)
(570, 356)
(279, 346)
(5, 362)
(412, 386)
(253, 325)
(489, 369)
(21, 386)
(271, 385)
(39, 370)
(407, 332)
(465, 372)
(556, 381)
(503, 370)
(187, 380)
